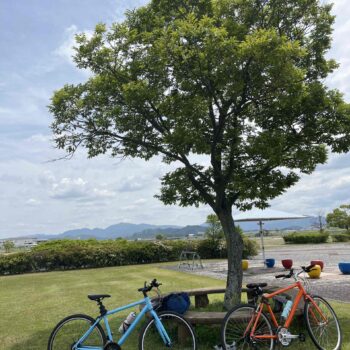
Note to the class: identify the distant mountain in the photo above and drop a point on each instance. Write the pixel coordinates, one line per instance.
(146, 231)
(170, 231)
(124, 230)
(295, 224)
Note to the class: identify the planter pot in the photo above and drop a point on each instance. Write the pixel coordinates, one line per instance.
(318, 262)
(315, 272)
(270, 262)
(245, 265)
(344, 267)
(287, 263)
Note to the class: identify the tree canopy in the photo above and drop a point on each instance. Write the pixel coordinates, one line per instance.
(340, 217)
(8, 246)
(241, 82)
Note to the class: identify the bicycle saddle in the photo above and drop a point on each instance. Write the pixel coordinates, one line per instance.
(256, 285)
(98, 296)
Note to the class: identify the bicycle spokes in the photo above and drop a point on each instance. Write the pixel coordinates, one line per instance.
(323, 324)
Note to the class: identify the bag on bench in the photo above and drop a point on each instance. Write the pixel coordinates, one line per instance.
(177, 302)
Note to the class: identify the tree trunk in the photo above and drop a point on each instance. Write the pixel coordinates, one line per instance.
(234, 243)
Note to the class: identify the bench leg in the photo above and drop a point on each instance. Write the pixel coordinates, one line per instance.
(201, 300)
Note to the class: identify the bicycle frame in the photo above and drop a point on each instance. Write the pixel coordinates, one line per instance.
(148, 308)
(301, 294)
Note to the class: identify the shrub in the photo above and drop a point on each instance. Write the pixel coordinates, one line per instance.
(77, 254)
(250, 248)
(302, 238)
(341, 237)
(212, 248)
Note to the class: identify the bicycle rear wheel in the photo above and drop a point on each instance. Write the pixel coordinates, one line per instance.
(71, 329)
(180, 332)
(236, 327)
(322, 324)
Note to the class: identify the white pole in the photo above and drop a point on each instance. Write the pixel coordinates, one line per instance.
(262, 241)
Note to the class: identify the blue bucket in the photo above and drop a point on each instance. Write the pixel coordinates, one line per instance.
(270, 262)
(344, 267)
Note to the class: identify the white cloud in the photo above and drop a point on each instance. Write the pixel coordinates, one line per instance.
(132, 184)
(78, 189)
(33, 201)
(141, 201)
(66, 49)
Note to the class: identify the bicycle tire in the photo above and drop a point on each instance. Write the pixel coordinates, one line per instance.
(236, 322)
(97, 338)
(313, 323)
(179, 330)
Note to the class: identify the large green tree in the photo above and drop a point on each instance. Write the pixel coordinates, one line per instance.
(239, 81)
(8, 246)
(340, 217)
(214, 232)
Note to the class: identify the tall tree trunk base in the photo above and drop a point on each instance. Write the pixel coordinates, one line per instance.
(234, 244)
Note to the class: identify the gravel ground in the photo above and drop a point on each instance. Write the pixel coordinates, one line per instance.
(332, 284)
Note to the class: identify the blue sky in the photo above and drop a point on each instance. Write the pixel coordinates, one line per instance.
(39, 196)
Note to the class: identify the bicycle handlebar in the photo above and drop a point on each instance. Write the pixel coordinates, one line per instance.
(291, 272)
(147, 288)
(308, 268)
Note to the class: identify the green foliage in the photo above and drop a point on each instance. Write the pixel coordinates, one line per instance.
(8, 246)
(214, 231)
(241, 82)
(78, 254)
(341, 237)
(340, 217)
(160, 237)
(301, 238)
(250, 248)
(212, 248)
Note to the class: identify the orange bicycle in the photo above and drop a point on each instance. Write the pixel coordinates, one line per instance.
(250, 327)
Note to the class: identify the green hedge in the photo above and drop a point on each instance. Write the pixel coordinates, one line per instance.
(341, 237)
(301, 238)
(78, 254)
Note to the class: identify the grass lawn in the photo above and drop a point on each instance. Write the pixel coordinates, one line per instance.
(32, 304)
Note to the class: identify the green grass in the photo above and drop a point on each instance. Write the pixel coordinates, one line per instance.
(32, 304)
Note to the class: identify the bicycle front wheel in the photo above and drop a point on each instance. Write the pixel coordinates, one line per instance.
(67, 332)
(237, 325)
(322, 324)
(180, 332)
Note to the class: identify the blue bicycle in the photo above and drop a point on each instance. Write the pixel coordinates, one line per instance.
(162, 330)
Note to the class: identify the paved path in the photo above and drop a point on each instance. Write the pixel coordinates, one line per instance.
(331, 285)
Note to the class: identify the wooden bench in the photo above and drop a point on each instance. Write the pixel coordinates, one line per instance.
(213, 318)
(205, 317)
(201, 298)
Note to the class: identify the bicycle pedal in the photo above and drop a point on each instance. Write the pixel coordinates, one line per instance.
(302, 337)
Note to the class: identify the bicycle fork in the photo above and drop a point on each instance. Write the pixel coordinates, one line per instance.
(161, 330)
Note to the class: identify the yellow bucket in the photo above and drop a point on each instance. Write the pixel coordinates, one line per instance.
(245, 265)
(315, 272)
